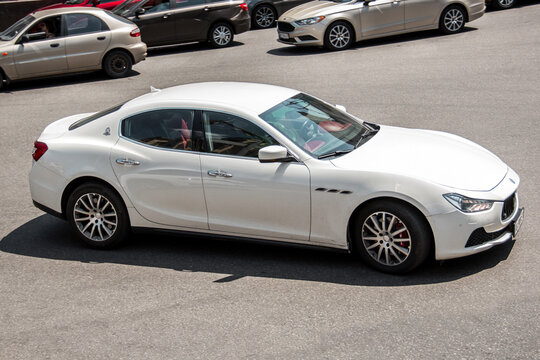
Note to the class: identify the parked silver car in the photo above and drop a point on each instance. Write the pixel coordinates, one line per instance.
(68, 40)
(337, 24)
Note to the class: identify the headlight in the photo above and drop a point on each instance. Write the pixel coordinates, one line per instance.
(309, 21)
(468, 205)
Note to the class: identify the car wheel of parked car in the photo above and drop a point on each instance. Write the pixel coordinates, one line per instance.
(1, 81)
(117, 64)
(391, 236)
(339, 36)
(452, 20)
(264, 17)
(98, 216)
(221, 35)
(503, 4)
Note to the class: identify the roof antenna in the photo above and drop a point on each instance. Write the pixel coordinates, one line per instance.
(154, 90)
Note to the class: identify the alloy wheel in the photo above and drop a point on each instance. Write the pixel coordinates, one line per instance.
(264, 17)
(454, 20)
(222, 35)
(386, 238)
(339, 36)
(95, 217)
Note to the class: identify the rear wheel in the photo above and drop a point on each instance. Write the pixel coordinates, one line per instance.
(452, 20)
(98, 216)
(339, 36)
(503, 4)
(1, 81)
(221, 35)
(264, 17)
(391, 237)
(117, 64)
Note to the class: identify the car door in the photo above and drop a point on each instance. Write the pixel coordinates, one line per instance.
(43, 56)
(244, 195)
(87, 39)
(380, 17)
(191, 19)
(157, 24)
(156, 165)
(420, 13)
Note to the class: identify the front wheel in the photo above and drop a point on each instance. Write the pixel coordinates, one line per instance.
(221, 35)
(452, 20)
(117, 64)
(338, 36)
(98, 216)
(503, 4)
(391, 237)
(264, 17)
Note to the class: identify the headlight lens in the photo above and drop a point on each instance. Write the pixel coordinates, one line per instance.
(468, 205)
(309, 21)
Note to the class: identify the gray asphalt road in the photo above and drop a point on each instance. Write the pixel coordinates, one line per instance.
(189, 298)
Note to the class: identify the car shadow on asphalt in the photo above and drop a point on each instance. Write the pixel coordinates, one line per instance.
(50, 238)
(396, 39)
(186, 48)
(61, 80)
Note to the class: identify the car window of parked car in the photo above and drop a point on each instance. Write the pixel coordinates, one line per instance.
(77, 24)
(186, 3)
(165, 128)
(158, 5)
(231, 135)
(16, 28)
(95, 116)
(51, 26)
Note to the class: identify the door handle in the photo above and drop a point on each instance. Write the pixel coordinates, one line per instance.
(206, 8)
(127, 162)
(55, 45)
(220, 173)
(101, 38)
(166, 16)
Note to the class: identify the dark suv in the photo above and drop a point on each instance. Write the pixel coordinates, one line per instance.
(166, 22)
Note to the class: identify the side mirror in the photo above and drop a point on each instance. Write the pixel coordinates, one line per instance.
(342, 108)
(139, 11)
(32, 37)
(274, 153)
(366, 2)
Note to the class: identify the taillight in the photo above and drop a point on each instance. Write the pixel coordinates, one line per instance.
(244, 7)
(135, 32)
(39, 150)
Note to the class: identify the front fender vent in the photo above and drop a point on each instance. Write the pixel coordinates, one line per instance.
(334, 191)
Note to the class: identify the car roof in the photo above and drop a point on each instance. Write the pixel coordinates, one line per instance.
(252, 97)
(66, 10)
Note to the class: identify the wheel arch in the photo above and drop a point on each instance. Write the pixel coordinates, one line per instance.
(220, 21)
(261, 4)
(421, 215)
(75, 183)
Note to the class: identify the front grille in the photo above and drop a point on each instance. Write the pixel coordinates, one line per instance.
(285, 26)
(307, 38)
(480, 236)
(290, 40)
(508, 207)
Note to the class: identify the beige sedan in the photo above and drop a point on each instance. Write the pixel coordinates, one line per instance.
(69, 40)
(337, 24)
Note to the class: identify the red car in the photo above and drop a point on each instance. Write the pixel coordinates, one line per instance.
(104, 4)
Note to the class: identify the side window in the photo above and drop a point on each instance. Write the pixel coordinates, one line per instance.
(167, 128)
(51, 26)
(77, 24)
(230, 135)
(186, 3)
(157, 5)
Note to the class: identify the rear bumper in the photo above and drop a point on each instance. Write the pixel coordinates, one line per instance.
(242, 25)
(138, 51)
(477, 10)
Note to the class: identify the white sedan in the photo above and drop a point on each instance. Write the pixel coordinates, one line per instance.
(265, 162)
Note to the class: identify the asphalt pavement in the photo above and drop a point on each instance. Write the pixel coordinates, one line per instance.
(168, 297)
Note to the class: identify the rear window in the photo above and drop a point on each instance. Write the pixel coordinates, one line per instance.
(120, 18)
(97, 115)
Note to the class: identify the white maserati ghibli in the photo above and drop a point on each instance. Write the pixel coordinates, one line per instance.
(258, 161)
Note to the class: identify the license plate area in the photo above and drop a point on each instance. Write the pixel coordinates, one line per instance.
(518, 222)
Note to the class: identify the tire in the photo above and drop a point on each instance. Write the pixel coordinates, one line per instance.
(503, 4)
(452, 20)
(221, 35)
(391, 237)
(264, 17)
(117, 64)
(338, 36)
(2, 85)
(98, 216)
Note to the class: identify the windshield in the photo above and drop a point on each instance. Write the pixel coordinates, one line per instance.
(16, 28)
(127, 7)
(318, 128)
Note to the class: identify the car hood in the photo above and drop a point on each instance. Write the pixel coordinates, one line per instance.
(434, 156)
(314, 8)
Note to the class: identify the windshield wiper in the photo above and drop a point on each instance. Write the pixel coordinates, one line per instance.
(365, 136)
(334, 153)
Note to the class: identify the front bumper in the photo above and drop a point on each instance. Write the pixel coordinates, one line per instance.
(308, 35)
